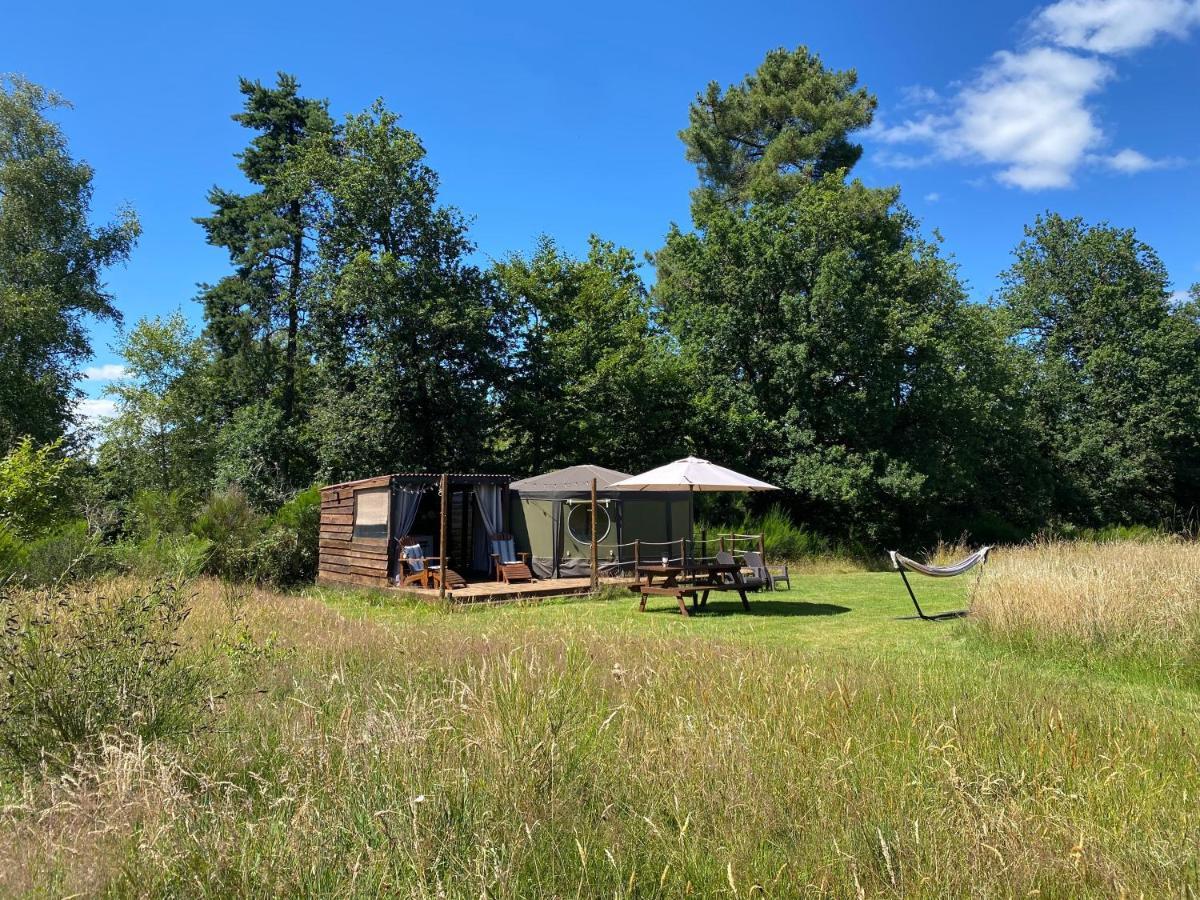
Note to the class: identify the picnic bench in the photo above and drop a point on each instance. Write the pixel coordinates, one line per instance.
(704, 577)
(668, 587)
(719, 576)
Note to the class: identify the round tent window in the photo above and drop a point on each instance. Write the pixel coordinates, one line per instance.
(579, 523)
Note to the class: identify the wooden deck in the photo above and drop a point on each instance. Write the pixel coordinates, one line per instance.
(485, 591)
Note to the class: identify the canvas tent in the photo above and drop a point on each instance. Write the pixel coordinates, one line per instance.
(551, 520)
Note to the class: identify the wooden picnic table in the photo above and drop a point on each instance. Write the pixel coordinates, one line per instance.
(668, 587)
(710, 576)
(704, 577)
(669, 573)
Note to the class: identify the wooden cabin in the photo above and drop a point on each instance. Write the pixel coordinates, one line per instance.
(363, 522)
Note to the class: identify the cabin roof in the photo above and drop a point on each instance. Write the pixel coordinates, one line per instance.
(456, 478)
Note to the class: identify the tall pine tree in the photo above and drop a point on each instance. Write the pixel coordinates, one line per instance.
(256, 316)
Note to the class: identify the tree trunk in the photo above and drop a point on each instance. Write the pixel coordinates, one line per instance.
(293, 327)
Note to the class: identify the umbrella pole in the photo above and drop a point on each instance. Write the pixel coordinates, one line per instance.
(691, 518)
(595, 553)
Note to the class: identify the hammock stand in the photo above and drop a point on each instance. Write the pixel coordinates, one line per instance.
(901, 563)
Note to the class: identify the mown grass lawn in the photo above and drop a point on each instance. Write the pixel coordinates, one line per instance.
(822, 744)
(860, 616)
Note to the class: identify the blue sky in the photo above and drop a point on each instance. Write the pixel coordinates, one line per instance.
(563, 118)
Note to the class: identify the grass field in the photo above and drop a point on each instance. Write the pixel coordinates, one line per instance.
(820, 744)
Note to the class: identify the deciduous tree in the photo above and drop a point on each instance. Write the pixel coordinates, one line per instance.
(1115, 370)
(407, 334)
(160, 438)
(52, 261)
(593, 376)
(837, 353)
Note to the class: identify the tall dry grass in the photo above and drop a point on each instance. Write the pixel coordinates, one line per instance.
(442, 757)
(1132, 598)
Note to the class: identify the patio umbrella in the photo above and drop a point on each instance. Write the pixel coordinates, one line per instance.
(694, 474)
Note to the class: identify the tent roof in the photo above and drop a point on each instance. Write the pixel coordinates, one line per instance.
(573, 479)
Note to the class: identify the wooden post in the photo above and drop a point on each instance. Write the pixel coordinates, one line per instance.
(722, 542)
(595, 550)
(703, 543)
(637, 557)
(682, 554)
(445, 489)
(762, 547)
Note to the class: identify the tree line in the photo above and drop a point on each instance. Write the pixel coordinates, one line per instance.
(801, 327)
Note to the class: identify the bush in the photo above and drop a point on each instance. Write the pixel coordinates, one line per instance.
(77, 665)
(784, 540)
(228, 539)
(176, 556)
(12, 552)
(286, 554)
(32, 486)
(154, 513)
(68, 552)
(232, 528)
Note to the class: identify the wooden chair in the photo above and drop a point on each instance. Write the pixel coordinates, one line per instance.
(507, 563)
(764, 575)
(418, 570)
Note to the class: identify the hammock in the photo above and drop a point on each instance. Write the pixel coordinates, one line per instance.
(901, 563)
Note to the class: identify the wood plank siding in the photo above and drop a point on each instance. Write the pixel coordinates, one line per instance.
(343, 558)
(366, 561)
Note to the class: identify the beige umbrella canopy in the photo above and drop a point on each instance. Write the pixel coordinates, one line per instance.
(693, 474)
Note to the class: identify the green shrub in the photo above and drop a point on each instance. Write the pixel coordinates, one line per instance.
(784, 539)
(232, 528)
(286, 554)
(152, 513)
(68, 552)
(177, 556)
(32, 486)
(12, 552)
(76, 665)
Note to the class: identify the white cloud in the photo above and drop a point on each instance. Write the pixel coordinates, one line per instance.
(106, 372)
(91, 410)
(933, 197)
(1024, 112)
(920, 95)
(1115, 26)
(1027, 112)
(903, 160)
(1131, 162)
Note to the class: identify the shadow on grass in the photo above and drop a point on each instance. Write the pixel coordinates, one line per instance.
(765, 608)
